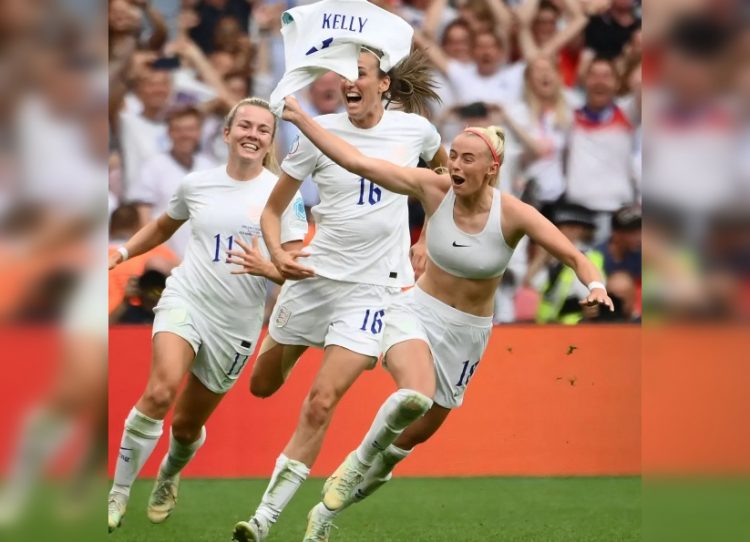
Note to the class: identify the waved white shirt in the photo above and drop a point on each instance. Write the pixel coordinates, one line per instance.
(362, 230)
(327, 35)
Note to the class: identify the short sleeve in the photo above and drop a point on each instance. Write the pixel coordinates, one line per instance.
(301, 159)
(294, 221)
(178, 207)
(430, 142)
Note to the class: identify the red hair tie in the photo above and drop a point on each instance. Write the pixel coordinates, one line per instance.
(486, 141)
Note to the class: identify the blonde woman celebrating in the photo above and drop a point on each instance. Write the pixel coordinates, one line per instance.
(444, 323)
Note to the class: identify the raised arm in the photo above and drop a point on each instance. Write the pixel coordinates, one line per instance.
(576, 22)
(433, 51)
(402, 180)
(149, 236)
(519, 219)
(433, 15)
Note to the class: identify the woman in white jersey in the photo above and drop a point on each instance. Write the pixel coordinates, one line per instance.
(358, 262)
(446, 320)
(208, 319)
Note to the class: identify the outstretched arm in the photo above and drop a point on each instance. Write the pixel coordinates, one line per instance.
(149, 236)
(402, 180)
(519, 219)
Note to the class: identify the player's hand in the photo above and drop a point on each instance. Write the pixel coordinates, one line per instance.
(292, 111)
(418, 255)
(250, 258)
(286, 263)
(115, 258)
(598, 296)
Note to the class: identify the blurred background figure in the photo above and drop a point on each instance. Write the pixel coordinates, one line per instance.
(141, 295)
(53, 229)
(161, 174)
(561, 293)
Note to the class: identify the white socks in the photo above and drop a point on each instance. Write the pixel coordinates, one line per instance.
(287, 477)
(179, 455)
(400, 410)
(138, 442)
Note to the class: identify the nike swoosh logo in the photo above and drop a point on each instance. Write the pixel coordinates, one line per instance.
(457, 245)
(126, 449)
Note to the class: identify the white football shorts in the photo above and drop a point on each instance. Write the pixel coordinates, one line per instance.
(221, 351)
(456, 339)
(320, 312)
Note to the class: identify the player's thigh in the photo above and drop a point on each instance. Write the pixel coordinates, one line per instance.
(423, 428)
(275, 361)
(340, 368)
(410, 364)
(170, 361)
(194, 406)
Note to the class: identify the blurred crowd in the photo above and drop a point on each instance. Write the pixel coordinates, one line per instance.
(562, 76)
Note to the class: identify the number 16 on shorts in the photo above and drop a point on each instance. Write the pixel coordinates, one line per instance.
(375, 324)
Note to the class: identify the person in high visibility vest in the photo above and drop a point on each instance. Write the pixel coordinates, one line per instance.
(562, 292)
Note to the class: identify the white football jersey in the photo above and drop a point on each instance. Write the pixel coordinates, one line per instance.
(220, 210)
(362, 230)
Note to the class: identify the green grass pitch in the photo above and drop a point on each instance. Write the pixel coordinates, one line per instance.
(411, 510)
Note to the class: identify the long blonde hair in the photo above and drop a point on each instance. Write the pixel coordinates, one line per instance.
(270, 162)
(495, 135)
(563, 116)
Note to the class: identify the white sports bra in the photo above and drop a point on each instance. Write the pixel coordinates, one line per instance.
(480, 255)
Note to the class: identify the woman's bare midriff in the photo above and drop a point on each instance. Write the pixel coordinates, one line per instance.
(472, 296)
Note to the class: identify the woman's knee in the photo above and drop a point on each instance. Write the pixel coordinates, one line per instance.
(319, 406)
(262, 386)
(158, 398)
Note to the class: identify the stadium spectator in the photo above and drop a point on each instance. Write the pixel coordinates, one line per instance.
(143, 134)
(599, 159)
(126, 18)
(625, 295)
(539, 127)
(623, 250)
(607, 34)
(161, 174)
(141, 296)
(562, 293)
(212, 14)
(539, 33)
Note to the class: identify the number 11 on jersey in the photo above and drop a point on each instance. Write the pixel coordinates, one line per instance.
(217, 252)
